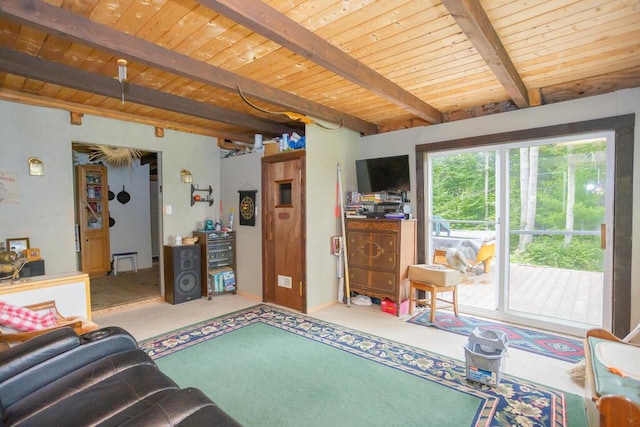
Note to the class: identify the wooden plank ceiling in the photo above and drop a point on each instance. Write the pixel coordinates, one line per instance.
(371, 66)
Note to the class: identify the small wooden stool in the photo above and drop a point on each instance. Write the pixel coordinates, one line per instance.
(133, 256)
(431, 302)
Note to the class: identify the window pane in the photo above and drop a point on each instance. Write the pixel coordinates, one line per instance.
(284, 193)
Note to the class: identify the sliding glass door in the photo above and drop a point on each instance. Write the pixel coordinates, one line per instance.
(463, 215)
(529, 222)
(557, 242)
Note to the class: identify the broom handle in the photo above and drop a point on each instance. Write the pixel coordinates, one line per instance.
(344, 237)
(92, 211)
(632, 334)
(340, 254)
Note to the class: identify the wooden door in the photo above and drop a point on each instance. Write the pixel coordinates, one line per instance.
(93, 219)
(283, 229)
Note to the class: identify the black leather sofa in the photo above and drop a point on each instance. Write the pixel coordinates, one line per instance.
(99, 378)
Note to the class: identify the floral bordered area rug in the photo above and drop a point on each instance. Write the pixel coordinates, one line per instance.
(512, 402)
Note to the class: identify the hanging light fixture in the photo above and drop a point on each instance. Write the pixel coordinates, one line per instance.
(122, 74)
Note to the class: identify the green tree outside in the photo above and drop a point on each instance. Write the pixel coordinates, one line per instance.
(464, 189)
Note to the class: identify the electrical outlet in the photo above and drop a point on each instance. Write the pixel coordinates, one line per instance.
(284, 281)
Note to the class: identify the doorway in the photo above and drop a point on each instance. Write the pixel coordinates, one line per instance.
(283, 219)
(540, 208)
(134, 227)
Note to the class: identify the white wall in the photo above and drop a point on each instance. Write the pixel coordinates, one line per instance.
(613, 104)
(325, 149)
(132, 229)
(45, 211)
(243, 172)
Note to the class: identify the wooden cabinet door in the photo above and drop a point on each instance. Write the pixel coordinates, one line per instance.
(94, 253)
(374, 282)
(374, 250)
(93, 219)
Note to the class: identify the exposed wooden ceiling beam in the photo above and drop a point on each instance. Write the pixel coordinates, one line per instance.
(233, 146)
(267, 21)
(480, 110)
(41, 101)
(473, 21)
(35, 68)
(55, 20)
(595, 85)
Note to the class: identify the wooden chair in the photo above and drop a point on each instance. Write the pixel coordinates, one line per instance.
(439, 257)
(79, 325)
(432, 300)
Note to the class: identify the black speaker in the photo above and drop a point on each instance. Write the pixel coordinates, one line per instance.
(182, 273)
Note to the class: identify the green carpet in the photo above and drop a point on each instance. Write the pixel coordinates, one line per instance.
(264, 376)
(271, 367)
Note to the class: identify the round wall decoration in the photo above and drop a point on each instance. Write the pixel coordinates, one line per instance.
(247, 207)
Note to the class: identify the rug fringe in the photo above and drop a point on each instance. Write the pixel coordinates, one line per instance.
(577, 372)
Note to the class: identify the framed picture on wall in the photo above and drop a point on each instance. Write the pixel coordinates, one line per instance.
(17, 244)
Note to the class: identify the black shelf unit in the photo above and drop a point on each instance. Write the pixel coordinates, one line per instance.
(218, 252)
(207, 199)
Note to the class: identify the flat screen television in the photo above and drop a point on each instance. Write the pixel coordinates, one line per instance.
(383, 174)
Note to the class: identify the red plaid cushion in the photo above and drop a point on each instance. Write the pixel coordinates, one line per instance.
(24, 319)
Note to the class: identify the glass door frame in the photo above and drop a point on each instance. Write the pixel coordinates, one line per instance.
(502, 210)
(498, 214)
(568, 326)
(623, 128)
(502, 271)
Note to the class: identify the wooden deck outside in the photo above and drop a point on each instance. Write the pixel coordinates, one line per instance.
(572, 295)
